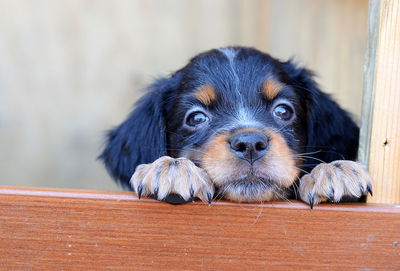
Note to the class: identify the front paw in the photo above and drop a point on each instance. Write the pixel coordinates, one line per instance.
(168, 175)
(335, 181)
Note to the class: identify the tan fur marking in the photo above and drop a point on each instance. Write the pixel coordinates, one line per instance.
(219, 148)
(206, 94)
(281, 160)
(219, 161)
(271, 88)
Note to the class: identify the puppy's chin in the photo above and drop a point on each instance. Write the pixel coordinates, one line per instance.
(252, 188)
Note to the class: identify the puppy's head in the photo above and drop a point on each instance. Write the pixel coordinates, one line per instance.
(252, 122)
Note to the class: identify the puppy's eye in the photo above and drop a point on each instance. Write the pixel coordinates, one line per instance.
(283, 112)
(196, 119)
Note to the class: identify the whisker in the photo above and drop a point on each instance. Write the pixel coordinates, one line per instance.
(188, 149)
(221, 193)
(308, 165)
(310, 157)
(308, 153)
(302, 170)
(296, 187)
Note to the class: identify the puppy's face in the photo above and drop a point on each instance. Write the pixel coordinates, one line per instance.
(239, 117)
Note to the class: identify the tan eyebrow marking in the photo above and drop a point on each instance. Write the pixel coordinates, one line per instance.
(206, 94)
(271, 88)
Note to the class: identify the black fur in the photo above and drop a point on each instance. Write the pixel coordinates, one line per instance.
(141, 138)
(154, 128)
(331, 133)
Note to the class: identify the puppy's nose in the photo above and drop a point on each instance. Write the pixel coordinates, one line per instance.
(249, 146)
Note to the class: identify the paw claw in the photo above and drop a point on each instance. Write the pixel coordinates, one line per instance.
(155, 195)
(311, 201)
(369, 189)
(191, 192)
(332, 195)
(139, 191)
(209, 198)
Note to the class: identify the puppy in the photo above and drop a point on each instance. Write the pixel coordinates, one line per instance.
(236, 123)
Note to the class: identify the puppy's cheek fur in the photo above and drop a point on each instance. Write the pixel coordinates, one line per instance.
(279, 163)
(219, 162)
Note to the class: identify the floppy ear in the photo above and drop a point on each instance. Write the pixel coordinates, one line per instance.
(141, 138)
(331, 133)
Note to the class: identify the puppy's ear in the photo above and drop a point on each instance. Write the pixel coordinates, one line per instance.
(141, 138)
(331, 133)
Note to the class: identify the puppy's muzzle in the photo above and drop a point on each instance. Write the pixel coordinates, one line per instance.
(249, 146)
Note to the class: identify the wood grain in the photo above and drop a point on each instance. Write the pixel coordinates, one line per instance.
(384, 156)
(50, 229)
(369, 81)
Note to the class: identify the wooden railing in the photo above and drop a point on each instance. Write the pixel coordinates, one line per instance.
(54, 229)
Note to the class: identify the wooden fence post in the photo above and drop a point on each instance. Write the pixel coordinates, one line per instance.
(380, 125)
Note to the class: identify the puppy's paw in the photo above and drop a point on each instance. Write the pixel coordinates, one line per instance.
(168, 175)
(335, 181)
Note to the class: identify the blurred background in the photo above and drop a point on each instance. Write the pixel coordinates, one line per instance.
(70, 70)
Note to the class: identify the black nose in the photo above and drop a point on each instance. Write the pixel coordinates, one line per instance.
(249, 146)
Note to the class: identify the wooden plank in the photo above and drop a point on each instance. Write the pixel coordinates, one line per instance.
(384, 155)
(369, 81)
(48, 229)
